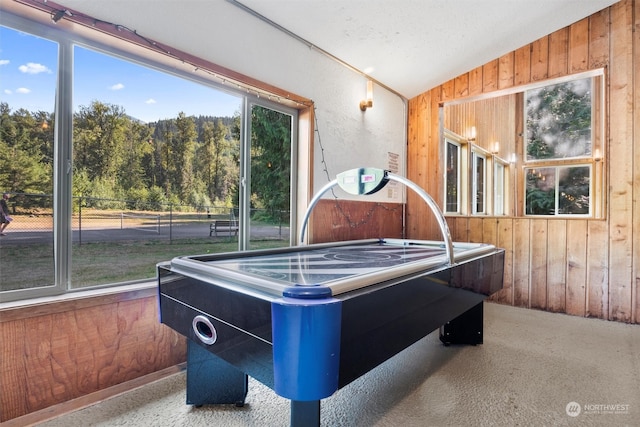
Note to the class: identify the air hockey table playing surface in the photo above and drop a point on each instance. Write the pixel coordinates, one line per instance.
(308, 320)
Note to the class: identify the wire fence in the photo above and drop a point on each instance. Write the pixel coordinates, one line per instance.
(98, 219)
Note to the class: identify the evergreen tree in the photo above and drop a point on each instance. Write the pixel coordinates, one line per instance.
(270, 158)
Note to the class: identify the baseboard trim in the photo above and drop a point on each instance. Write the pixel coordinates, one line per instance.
(92, 398)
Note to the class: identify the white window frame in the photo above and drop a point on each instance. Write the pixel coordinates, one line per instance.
(448, 144)
(62, 187)
(499, 187)
(478, 189)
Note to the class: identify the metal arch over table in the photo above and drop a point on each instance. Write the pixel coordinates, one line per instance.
(365, 181)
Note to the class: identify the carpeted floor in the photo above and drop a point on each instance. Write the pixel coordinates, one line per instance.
(534, 369)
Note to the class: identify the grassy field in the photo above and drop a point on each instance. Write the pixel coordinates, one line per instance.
(104, 262)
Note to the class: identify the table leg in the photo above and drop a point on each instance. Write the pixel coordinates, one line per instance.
(211, 380)
(464, 329)
(305, 413)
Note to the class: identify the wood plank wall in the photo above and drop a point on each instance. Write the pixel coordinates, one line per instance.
(341, 220)
(56, 352)
(583, 267)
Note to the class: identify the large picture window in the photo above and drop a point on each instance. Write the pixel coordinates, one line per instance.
(115, 162)
(28, 69)
(558, 138)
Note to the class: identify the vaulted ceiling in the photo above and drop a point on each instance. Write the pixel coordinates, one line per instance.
(409, 46)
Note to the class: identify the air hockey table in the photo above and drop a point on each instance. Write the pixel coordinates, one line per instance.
(307, 320)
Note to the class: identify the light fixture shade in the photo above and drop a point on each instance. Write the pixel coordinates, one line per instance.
(368, 102)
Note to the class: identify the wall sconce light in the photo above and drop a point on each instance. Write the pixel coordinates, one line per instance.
(473, 134)
(495, 148)
(368, 102)
(513, 159)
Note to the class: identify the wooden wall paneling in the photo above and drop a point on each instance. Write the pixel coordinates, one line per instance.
(522, 65)
(461, 229)
(13, 370)
(576, 267)
(600, 269)
(63, 357)
(461, 87)
(475, 229)
(597, 269)
(636, 160)
(505, 241)
(53, 358)
(621, 152)
(559, 52)
(506, 70)
(434, 185)
(37, 352)
(490, 230)
(424, 133)
(540, 59)
(475, 81)
(341, 220)
(416, 159)
(451, 223)
(521, 256)
(97, 343)
(579, 46)
(599, 29)
(538, 263)
(448, 91)
(490, 76)
(556, 265)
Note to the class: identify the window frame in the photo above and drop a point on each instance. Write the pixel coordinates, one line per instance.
(460, 116)
(500, 184)
(455, 141)
(63, 142)
(593, 160)
(478, 155)
(467, 192)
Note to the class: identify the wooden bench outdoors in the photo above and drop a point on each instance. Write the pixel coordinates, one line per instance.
(220, 225)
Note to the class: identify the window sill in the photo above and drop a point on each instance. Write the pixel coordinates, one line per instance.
(70, 301)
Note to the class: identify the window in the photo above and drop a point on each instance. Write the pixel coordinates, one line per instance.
(561, 190)
(558, 140)
(28, 70)
(156, 156)
(452, 176)
(499, 195)
(551, 132)
(479, 182)
(470, 185)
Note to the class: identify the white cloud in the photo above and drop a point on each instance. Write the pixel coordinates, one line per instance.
(8, 92)
(23, 90)
(150, 101)
(4, 61)
(117, 86)
(33, 68)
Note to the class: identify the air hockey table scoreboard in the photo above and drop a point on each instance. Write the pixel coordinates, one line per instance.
(307, 320)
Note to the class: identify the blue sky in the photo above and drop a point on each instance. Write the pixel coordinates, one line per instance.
(28, 67)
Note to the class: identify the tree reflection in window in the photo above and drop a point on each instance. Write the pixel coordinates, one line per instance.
(558, 120)
(558, 190)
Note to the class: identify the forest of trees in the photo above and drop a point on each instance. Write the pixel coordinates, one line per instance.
(192, 161)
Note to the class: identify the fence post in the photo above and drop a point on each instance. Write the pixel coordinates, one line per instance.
(170, 223)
